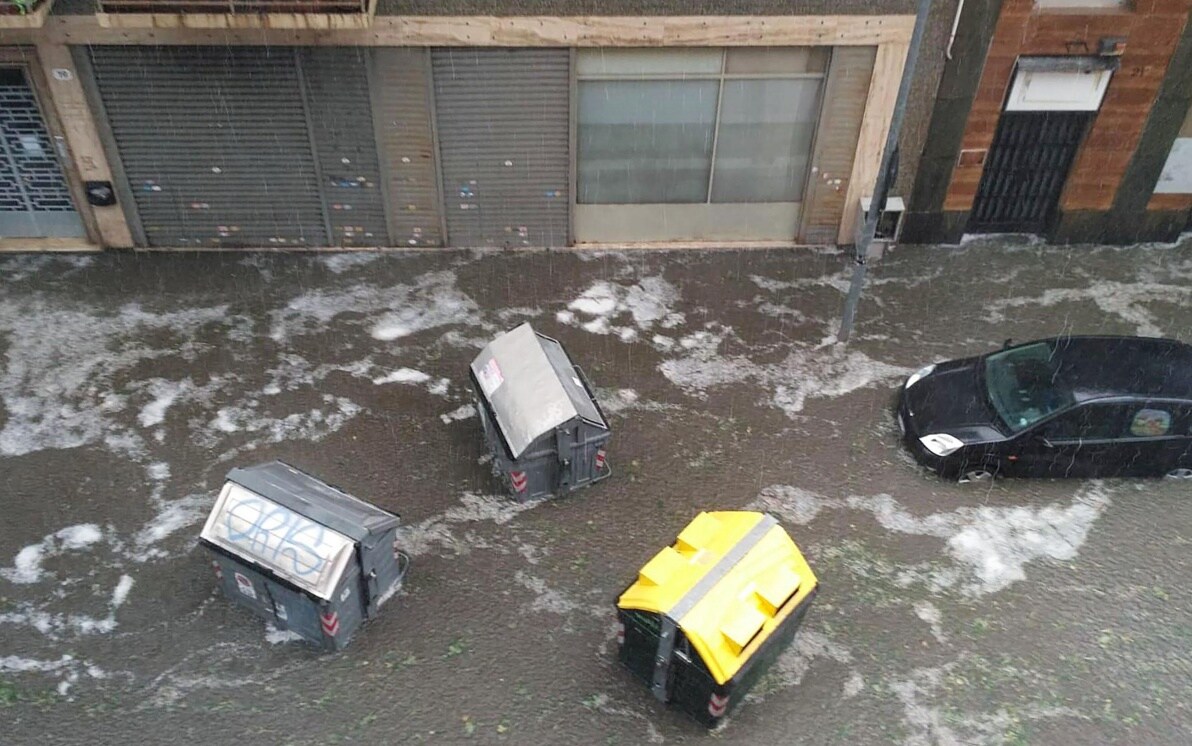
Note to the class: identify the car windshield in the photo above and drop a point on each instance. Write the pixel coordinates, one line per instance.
(1023, 386)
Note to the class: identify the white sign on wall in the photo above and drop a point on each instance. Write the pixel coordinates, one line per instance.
(1058, 91)
(1176, 177)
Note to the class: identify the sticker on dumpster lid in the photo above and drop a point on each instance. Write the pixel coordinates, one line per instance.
(490, 377)
(245, 586)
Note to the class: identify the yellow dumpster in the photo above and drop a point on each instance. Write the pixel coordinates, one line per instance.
(708, 614)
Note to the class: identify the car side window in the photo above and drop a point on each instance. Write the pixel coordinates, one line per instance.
(1089, 422)
(1151, 421)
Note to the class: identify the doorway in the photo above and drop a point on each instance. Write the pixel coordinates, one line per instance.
(1048, 109)
(35, 199)
(1025, 170)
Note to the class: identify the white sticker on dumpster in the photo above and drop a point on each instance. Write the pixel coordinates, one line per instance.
(245, 586)
(490, 377)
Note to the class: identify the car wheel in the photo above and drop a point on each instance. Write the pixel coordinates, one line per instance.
(1182, 472)
(981, 474)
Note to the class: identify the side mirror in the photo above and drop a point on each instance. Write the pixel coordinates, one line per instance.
(1007, 343)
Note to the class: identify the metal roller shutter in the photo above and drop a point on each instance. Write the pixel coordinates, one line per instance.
(504, 130)
(402, 112)
(214, 144)
(340, 113)
(845, 93)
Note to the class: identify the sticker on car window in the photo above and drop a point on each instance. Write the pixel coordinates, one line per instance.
(1150, 423)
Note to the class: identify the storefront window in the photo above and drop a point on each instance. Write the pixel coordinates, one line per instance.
(697, 125)
(645, 141)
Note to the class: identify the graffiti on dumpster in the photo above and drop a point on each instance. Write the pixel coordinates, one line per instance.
(279, 535)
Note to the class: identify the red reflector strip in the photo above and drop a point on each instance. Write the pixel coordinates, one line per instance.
(330, 621)
(218, 569)
(717, 704)
(600, 459)
(519, 480)
(620, 633)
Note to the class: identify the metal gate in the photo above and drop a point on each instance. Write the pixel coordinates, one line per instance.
(34, 197)
(503, 118)
(244, 146)
(402, 115)
(1025, 170)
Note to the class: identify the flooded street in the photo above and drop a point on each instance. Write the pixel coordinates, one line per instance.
(1012, 612)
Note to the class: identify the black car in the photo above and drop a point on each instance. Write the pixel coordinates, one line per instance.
(1061, 407)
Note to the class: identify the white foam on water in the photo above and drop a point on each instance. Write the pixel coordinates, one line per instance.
(930, 614)
(79, 536)
(990, 546)
(294, 372)
(853, 685)
(549, 599)
(437, 531)
(310, 425)
(341, 262)
(461, 413)
(67, 667)
(1126, 300)
(164, 393)
(120, 593)
(626, 311)
(57, 389)
(1005, 240)
(390, 593)
(171, 517)
(27, 616)
(431, 301)
(17, 664)
(403, 375)
(159, 471)
(932, 719)
(808, 647)
(27, 564)
(825, 371)
(275, 636)
(791, 504)
(23, 266)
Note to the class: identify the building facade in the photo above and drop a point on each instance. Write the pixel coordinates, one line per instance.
(1065, 118)
(161, 124)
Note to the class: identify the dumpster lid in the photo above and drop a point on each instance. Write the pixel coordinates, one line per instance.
(532, 386)
(302, 529)
(729, 580)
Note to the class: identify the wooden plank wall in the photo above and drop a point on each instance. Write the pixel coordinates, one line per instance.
(1152, 30)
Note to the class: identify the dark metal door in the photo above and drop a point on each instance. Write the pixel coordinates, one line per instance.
(1025, 170)
(34, 197)
(245, 146)
(504, 133)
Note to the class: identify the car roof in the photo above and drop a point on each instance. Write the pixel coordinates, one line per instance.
(1097, 367)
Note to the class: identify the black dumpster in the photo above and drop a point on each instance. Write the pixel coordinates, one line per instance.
(710, 613)
(304, 555)
(546, 432)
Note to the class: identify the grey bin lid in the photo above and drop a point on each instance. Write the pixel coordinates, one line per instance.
(532, 387)
(297, 526)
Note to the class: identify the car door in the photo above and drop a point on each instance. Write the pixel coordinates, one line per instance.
(1081, 442)
(1153, 438)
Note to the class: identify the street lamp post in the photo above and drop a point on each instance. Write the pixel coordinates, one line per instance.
(885, 176)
